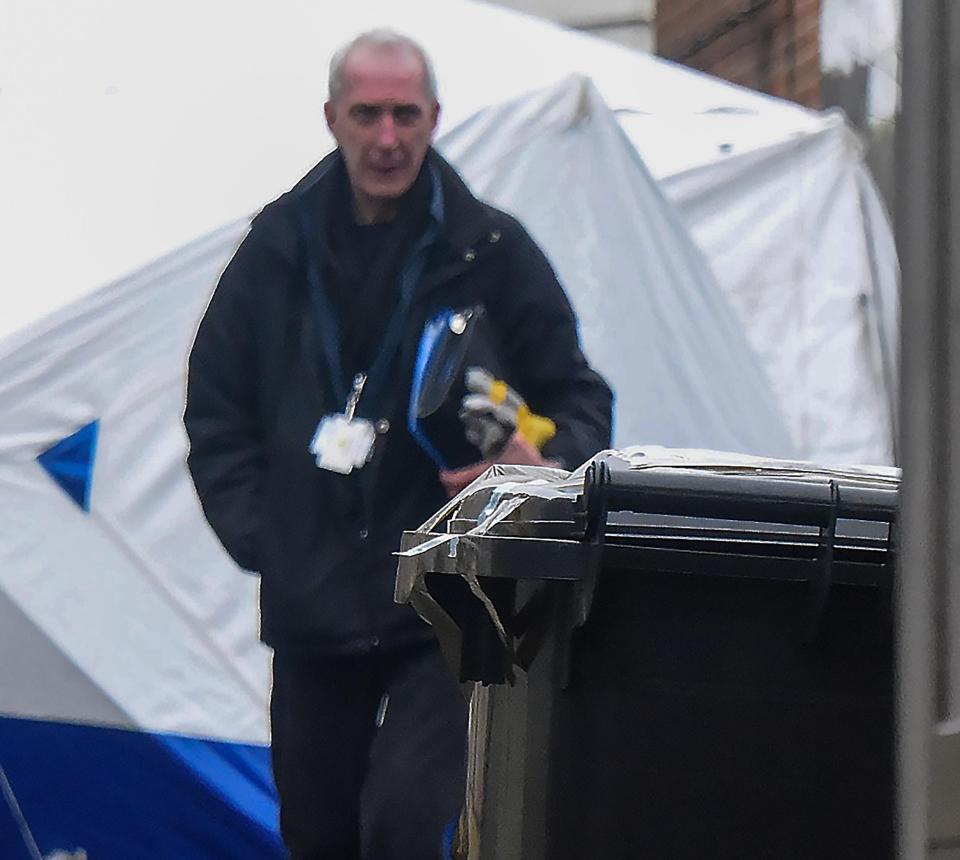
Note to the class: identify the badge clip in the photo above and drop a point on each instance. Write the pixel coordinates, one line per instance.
(343, 442)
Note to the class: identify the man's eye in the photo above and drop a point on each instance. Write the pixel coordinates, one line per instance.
(366, 114)
(406, 114)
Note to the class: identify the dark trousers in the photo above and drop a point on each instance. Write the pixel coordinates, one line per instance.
(349, 788)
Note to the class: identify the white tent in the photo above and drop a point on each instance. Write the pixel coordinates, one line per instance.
(124, 143)
(651, 315)
(132, 687)
(797, 234)
(130, 131)
(129, 614)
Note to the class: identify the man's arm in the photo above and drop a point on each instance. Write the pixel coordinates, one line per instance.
(544, 351)
(540, 337)
(226, 457)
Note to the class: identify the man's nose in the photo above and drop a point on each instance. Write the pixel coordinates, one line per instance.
(387, 131)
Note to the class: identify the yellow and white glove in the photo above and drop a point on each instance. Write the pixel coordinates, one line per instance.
(492, 411)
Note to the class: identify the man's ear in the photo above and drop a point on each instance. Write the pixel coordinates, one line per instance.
(434, 116)
(330, 112)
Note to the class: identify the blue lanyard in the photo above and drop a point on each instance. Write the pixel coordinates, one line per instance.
(329, 327)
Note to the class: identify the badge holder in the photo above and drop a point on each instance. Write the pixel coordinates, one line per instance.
(343, 442)
(452, 341)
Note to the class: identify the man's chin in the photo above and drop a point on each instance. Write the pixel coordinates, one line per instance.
(388, 188)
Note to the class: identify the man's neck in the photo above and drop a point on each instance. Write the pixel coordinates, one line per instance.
(373, 211)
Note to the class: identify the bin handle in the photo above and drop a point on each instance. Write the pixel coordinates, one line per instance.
(821, 580)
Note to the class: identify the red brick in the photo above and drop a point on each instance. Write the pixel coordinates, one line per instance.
(778, 46)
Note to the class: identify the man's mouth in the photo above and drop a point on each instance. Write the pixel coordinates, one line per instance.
(386, 171)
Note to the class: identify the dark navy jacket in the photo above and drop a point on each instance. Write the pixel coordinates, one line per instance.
(258, 386)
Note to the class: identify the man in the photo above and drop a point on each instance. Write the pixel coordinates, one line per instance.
(303, 359)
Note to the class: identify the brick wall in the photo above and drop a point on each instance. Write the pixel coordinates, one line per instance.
(767, 45)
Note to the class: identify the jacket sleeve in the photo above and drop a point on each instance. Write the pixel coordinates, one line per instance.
(226, 458)
(544, 351)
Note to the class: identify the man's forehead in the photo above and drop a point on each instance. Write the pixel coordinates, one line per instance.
(383, 73)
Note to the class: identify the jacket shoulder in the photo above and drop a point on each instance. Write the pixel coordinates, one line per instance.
(277, 224)
(510, 227)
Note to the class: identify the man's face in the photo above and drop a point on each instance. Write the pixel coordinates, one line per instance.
(383, 121)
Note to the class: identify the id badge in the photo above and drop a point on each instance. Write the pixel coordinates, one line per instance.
(342, 444)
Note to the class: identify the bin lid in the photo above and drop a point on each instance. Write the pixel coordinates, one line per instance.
(641, 510)
(650, 507)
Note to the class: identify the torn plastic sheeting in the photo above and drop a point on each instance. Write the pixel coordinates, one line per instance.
(497, 474)
(503, 508)
(655, 457)
(508, 495)
(427, 607)
(511, 487)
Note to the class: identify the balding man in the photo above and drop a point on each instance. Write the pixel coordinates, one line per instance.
(308, 462)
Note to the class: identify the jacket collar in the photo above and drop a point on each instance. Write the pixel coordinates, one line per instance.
(466, 219)
(460, 217)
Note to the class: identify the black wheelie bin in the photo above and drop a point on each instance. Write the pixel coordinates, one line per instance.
(671, 655)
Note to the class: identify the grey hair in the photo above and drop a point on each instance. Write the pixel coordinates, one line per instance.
(382, 37)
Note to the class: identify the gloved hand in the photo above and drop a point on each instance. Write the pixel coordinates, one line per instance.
(492, 412)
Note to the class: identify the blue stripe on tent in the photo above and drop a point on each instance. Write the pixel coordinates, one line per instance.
(70, 463)
(125, 795)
